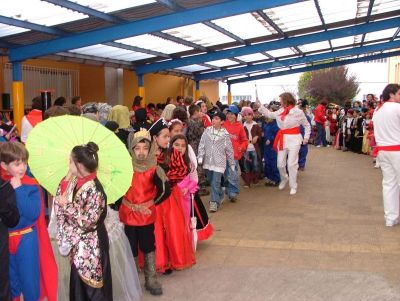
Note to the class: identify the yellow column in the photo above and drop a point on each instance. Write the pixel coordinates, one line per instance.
(197, 95)
(229, 97)
(18, 102)
(141, 93)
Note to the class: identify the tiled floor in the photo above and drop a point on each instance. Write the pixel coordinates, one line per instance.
(328, 242)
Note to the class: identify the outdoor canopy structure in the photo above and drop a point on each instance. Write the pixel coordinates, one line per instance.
(233, 41)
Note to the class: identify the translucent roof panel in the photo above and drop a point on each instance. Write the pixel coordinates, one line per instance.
(200, 34)
(193, 68)
(338, 10)
(244, 26)
(314, 46)
(252, 57)
(150, 42)
(382, 34)
(39, 12)
(383, 6)
(281, 52)
(295, 16)
(111, 52)
(222, 63)
(6, 30)
(342, 41)
(110, 6)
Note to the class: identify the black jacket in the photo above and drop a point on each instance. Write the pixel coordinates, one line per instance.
(9, 217)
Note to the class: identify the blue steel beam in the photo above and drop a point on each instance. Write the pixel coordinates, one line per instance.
(315, 67)
(321, 17)
(299, 60)
(273, 45)
(134, 28)
(370, 6)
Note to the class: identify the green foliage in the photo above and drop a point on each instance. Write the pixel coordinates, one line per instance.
(336, 84)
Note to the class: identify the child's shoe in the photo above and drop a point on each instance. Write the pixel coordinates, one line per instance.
(213, 207)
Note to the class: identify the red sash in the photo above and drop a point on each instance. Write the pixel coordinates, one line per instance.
(388, 148)
(278, 142)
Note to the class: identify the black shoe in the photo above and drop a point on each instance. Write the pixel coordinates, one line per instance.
(232, 199)
(168, 272)
(269, 184)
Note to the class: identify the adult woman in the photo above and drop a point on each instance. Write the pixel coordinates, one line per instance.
(80, 208)
(288, 139)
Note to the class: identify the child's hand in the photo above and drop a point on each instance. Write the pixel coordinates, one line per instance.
(254, 140)
(15, 182)
(267, 142)
(62, 200)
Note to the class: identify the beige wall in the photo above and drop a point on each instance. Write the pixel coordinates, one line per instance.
(394, 69)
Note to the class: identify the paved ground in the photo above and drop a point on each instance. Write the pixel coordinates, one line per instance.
(328, 242)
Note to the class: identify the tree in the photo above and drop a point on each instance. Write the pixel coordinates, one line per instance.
(336, 84)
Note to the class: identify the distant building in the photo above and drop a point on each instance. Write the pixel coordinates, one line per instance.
(394, 69)
(236, 98)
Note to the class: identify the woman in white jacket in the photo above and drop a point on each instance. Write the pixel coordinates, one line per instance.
(288, 139)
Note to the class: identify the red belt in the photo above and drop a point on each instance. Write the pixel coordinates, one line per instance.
(388, 148)
(278, 142)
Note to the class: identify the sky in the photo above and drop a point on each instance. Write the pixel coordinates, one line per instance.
(372, 77)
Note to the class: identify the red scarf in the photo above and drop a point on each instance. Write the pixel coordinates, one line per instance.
(80, 182)
(34, 117)
(286, 111)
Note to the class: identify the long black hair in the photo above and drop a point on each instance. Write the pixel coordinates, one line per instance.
(86, 154)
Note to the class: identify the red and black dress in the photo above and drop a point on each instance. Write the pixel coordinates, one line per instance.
(174, 245)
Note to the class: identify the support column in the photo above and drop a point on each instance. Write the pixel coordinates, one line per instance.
(229, 95)
(141, 91)
(197, 94)
(18, 94)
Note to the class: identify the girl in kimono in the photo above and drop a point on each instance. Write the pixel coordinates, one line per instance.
(80, 209)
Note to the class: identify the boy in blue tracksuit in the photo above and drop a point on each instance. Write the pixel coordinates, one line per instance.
(304, 147)
(271, 172)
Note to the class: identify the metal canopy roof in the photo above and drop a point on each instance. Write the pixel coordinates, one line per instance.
(236, 41)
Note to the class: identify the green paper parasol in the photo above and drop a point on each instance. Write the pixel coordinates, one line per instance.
(50, 144)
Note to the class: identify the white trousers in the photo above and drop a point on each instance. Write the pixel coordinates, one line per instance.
(289, 156)
(390, 166)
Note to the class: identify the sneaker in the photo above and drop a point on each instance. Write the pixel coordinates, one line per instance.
(246, 186)
(391, 223)
(301, 168)
(293, 191)
(283, 183)
(318, 146)
(213, 207)
(271, 184)
(232, 199)
(327, 145)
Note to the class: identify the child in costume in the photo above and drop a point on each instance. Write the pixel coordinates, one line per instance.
(149, 188)
(9, 217)
(80, 209)
(239, 144)
(33, 272)
(174, 247)
(252, 157)
(271, 171)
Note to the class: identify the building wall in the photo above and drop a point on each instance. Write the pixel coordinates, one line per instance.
(92, 85)
(394, 69)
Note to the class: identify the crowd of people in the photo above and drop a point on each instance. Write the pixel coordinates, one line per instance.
(181, 150)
